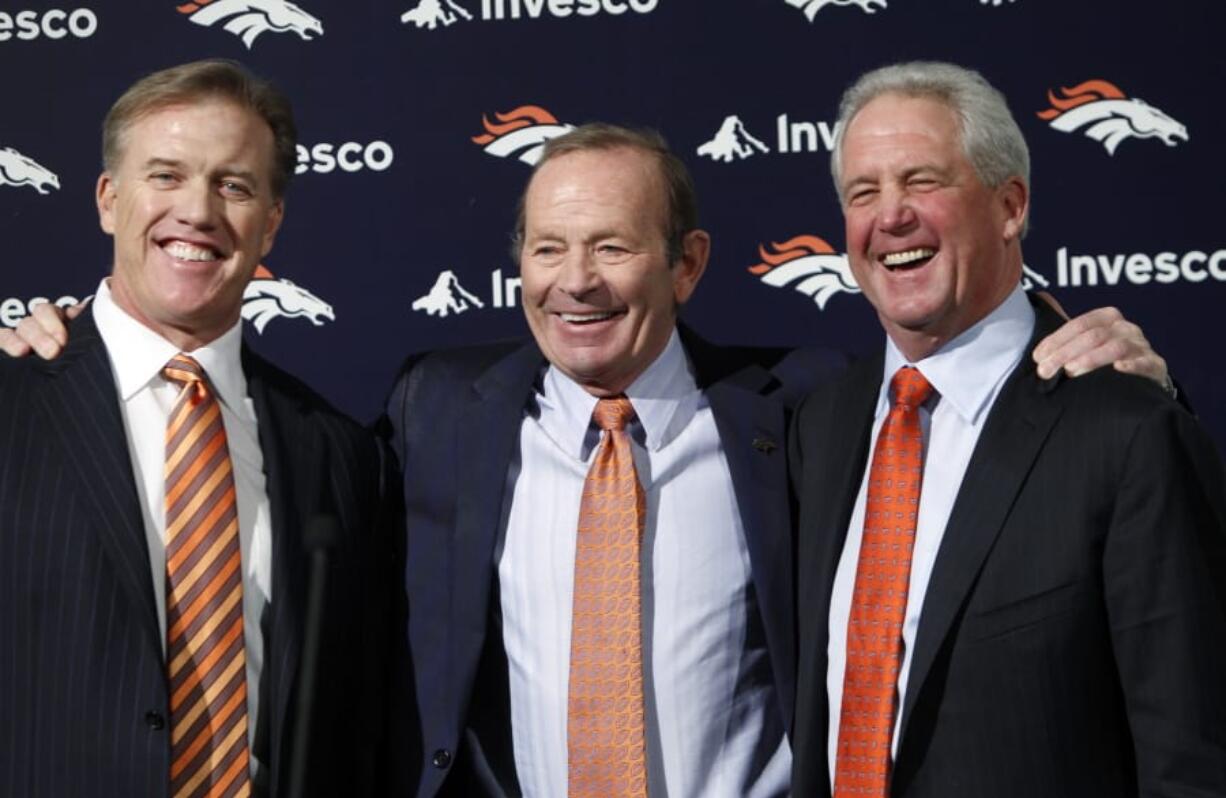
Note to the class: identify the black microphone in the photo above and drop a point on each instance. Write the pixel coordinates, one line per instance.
(322, 533)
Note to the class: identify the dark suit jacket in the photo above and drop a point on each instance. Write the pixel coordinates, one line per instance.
(1073, 636)
(456, 420)
(83, 698)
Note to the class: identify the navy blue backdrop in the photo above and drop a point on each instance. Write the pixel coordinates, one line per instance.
(418, 119)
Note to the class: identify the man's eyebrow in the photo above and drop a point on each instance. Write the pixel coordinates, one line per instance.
(167, 162)
(242, 174)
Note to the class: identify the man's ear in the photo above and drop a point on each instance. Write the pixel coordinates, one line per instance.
(689, 268)
(271, 225)
(1015, 204)
(104, 195)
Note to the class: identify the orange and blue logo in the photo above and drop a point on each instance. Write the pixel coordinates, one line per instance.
(267, 297)
(521, 131)
(1103, 112)
(809, 265)
(247, 19)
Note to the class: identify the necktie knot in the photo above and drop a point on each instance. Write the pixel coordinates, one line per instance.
(909, 387)
(183, 370)
(613, 413)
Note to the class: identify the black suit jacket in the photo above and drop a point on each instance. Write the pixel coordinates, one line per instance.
(455, 419)
(83, 698)
(1072, 640)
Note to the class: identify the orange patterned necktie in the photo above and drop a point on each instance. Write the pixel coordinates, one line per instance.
(605, 739)
(206, 666)
(879, 600)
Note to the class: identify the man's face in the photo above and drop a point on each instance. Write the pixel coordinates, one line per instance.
(191, 208)
(599, 293)
(933, 248)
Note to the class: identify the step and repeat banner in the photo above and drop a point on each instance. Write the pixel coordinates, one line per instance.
(419, 120)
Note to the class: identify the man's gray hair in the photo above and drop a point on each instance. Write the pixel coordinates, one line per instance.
(991, 139)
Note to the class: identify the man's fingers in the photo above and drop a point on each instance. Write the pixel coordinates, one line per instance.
(34, 332)
(1071, 330)
(11, 345)
(50, 321)
(1151, 365)
(72, 311)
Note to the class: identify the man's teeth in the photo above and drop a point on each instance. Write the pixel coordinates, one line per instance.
(910, 255)
(183, 251)
(582, 317)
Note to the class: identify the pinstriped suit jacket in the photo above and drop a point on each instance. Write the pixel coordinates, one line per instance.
(1073, 635)
(83, 697)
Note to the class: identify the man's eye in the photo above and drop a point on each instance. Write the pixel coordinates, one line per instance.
(546, 252)
(235, 189)
(861, 196)
(611, 253)
(162, 177)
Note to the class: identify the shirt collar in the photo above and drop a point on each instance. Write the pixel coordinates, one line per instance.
(967, 371)
(665, 397)
(138, 353)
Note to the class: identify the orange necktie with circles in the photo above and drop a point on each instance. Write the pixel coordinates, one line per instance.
(605, 739)
(206, 664)
(879, 600)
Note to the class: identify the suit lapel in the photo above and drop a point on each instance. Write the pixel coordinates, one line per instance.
(1013, 436)
(83, 411)
(488, 437)
(830, 483)
(293, 463)
(752, 434)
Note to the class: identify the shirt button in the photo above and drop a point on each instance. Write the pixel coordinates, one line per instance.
(441, 759)
(155, 720)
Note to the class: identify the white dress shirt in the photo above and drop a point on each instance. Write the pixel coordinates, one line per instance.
(967, 375)
(710, 713)
(137, 355)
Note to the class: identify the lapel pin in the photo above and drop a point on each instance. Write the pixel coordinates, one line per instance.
(764, 445)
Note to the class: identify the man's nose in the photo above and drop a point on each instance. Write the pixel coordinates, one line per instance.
(895, 213)
(578, 274)
(197, 204)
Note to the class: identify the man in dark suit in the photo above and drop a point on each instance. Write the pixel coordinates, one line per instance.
(152, 609)
(494, 451)
(1032, 602)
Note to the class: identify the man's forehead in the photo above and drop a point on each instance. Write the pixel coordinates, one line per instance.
(596, 177)
(167, 131)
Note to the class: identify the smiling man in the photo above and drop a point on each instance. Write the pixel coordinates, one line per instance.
(157, 478)
(1020, 589)
(527, 591)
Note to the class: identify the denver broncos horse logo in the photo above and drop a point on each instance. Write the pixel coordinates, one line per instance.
(1109, 116)
(267, 297)
(822, 272)
(247, 19)
(524, 130)
(18, 170)
(811, 7)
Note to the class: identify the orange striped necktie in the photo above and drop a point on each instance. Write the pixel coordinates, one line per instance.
(605, 738)
(206, 664)
(879, 599)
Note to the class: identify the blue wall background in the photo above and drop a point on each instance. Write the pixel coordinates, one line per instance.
(398, 185)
